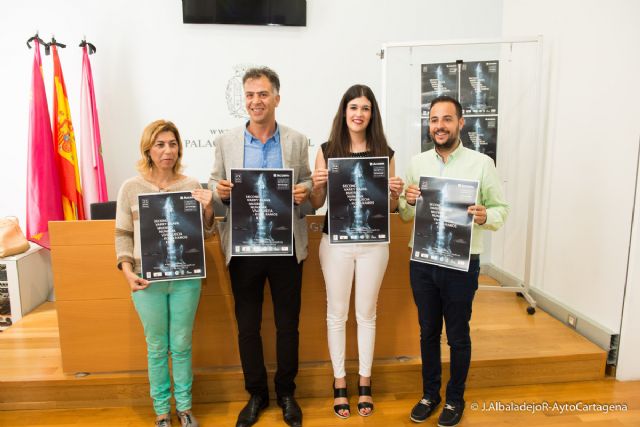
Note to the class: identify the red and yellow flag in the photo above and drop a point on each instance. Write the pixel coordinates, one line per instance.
(65, 146)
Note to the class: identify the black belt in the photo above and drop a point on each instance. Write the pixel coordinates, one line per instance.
(474, 257)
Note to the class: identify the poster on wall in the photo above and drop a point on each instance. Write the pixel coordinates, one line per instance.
(437, 80)
(261, 212)
(426, 143)
(480, 134)
(171, 236)
(479, 87)
(5, 302)
(442, 226)
(358, 200)
(476, 86)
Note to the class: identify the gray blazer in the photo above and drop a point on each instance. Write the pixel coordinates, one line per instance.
(229, 153)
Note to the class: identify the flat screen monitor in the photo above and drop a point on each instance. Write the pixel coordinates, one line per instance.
(245, 12)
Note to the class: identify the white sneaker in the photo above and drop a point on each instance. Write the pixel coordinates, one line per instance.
(187, 419)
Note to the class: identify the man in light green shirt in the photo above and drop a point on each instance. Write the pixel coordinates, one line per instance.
(442, 293)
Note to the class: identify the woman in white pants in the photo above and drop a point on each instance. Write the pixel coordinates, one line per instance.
(356, 132)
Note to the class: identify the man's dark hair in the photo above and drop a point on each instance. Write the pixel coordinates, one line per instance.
(257, 72)
(445, 98)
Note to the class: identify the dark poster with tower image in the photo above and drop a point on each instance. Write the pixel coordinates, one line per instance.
(479, 87)
(171, 236)
(480, 133)
(477, 91)
(358, 200)
(442, 226)
(261, 212)
(437, 80)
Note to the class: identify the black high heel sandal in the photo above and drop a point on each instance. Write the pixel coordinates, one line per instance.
(340, 392)
(364, 390)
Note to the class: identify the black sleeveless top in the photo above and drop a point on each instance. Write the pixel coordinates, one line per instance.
(325, 226)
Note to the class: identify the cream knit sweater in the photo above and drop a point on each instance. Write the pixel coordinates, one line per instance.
(128, 221)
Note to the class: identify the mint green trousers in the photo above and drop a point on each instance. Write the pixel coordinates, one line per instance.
(167, 311)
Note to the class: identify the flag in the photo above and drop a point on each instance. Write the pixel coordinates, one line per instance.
(94, 184)
(64, 140)
(44, 201)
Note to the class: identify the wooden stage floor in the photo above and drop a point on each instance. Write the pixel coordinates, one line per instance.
(510, 348)
(392, 410)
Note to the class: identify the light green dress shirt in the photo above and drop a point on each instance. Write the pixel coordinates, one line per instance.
(462, 163)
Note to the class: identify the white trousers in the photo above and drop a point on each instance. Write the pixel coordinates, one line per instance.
(339, 263)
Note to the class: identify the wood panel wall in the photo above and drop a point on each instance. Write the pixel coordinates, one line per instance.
(100, 330)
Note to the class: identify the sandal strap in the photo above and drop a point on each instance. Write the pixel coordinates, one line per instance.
(342, 407)
(363, 405)
(340, 392)
(364, 390)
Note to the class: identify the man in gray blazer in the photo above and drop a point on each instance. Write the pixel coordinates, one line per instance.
(263, 143)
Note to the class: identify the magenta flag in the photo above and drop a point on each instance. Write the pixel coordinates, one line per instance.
(94, 184)
(44, 199)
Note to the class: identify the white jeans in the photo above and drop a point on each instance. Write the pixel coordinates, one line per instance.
(339, 262)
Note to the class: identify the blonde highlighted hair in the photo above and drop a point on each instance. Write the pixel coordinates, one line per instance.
(149, 135)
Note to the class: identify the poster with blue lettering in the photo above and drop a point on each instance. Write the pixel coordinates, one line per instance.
(358, 200)
(261, 212)
(171, 236)
(442, 226)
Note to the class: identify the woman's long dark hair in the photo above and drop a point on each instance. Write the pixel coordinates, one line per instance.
(339, 144)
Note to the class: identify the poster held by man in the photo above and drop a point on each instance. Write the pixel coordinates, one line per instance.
(358, 200)
(262, 212)
(442, 225)
(171, 236)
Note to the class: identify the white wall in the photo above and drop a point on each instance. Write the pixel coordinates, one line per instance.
(149, 65)
(628, 366)
(583, 215)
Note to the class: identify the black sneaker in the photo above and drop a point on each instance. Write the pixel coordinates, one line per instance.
(451, 415)
(423, 410)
